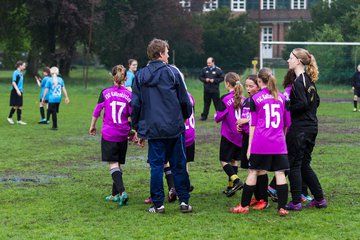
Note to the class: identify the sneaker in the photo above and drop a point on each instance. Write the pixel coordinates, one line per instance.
(253, 202)
(112, 198)
(236, 187)
(293, 207)
(261, 205)
(21, 122)
(148, 200)
(10, 121)
(317, 204)
(282, 212)
(42, 121)
(54, 128)
(185, 208)
(154, 209)
(225, 191)
(172, 195)
(355, 110)
(124, 198)
(305, 198)
(240, 209)
(272, 193)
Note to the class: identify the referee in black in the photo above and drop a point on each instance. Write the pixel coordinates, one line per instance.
(211, 76)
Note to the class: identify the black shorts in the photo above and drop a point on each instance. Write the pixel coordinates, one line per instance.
(244, 160)
(269, 162)
(113, 151)
(54, 107)
(190, 153)
(45, 101)
(357, 92)
(16, 100)
(229, 151)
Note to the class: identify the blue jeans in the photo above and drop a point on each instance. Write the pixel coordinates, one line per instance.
(173, 150)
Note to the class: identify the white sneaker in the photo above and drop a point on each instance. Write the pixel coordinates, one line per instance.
(21, 122)
(355, 110)
(10, 121)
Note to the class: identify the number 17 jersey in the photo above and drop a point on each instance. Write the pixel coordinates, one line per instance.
(269, 116)
(116, 102)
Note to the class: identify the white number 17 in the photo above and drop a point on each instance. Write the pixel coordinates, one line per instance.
(113, 105)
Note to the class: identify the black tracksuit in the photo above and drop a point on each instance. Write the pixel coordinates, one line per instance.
(356, 83)
(211, 90)
(301, 136)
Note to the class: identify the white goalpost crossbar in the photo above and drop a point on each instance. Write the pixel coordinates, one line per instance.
(262, 43)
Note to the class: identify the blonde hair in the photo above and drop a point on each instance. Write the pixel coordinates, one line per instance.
(234, 80)
(54, 71)
(309, 61)
(119, 74)
(265, 74)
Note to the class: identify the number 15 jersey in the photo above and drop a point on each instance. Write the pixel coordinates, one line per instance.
(269, 116)
(116, 102)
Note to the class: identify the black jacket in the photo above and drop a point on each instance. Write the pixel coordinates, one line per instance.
(214, 73)
(304, 101)
(356, 80)
(160, 102)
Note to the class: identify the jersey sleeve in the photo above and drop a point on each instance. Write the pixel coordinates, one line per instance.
(16, 77)
(43, 82)
(253, 113)
(221, 112)
(286, 117)
(48, 83)
(99, 106)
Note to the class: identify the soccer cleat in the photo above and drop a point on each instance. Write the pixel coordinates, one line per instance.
(42, 121)
(355, 110)
(10, 121)
(148, 200)
(154, 209)
(293, 207)
(54, 128)
(21, 123)
(112, 198)
(272, 193)
(318, 204)
(253, 202)
(305, 198)
(172, 195)
(225, 191)
(240, 209)
(236, 187)
(282, 212)
(261, 205)
(124, 198)
(185, 208)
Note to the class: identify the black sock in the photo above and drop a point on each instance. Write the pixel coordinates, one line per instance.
(42, 113)
(355, 104)
(116, 175)
(114, 190)
(169, 177)
(12, 111)
(282, 192)
(261, 187)
(247, 194)
(236, 168)
(18, 113)
(47, 115)
(229, 170)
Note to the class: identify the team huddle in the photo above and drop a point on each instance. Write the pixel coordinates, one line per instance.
(267, 131)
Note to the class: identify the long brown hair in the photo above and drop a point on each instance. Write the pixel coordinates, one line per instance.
(265, 74)
(234, 80)
(119, 74)
(309, 61)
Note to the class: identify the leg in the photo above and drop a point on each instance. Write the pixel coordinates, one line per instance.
(355, 102)
(18, 113)
(249, 188)
(42, 112)
(216, 99)
(207, 102)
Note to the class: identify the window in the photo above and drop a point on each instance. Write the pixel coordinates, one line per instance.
(298, 4)
(268, 4)
(238, 5)
(210, 5)
(185, 3)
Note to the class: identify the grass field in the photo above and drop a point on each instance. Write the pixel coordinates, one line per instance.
(53, 183)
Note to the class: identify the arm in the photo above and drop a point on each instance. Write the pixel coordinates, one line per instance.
(219, 76)
(16, 88)
(221, 113)
(67, 100)
(135, 104)
(96, 114)
(202, 76)
(186, 106)
(45, 92)
(251, 136)
(38, 81)
(92, 130)
(301, 103)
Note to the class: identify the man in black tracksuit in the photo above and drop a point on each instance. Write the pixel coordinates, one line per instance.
(211, 76)
(356, 87)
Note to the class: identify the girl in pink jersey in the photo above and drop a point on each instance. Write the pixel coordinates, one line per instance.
(228, 112)
(116, 102)
(267, 149)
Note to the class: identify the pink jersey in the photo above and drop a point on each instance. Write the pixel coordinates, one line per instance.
(245, 113)
(269, 116)
(116, 102)
(228, 115)
(190, 125)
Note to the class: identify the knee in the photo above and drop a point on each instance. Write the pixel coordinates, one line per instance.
(355, 97)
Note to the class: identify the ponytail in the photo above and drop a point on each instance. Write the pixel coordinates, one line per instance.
(234, 80)
(309, 61)
(269, 80)
(54, 71)
(119, 74)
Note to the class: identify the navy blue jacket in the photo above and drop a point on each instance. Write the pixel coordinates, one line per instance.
(160, 102)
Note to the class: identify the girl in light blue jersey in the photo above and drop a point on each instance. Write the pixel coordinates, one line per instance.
(42, 83)
(130, 74)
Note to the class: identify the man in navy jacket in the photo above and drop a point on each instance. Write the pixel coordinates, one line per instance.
(160, 105)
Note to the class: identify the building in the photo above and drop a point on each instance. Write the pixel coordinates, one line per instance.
(273, 16)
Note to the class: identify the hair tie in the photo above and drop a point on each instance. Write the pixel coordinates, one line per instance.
(309, 55)
(237, 83)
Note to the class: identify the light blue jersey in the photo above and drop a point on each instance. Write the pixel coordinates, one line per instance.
(43, 86)
(18, 78)
(129, 78)
(54, 91)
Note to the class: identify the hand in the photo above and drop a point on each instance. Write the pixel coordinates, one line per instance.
(241, 121)
(141, 142)
(211, 80)
(43, 101)
(18, 93)
(67, 100)
(207, 79)
(238, 128)
(352, 88)
(92, 130)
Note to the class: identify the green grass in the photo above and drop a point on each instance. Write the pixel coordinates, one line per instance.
(64, 181)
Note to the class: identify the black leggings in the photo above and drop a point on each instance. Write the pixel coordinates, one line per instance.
(53, 110)
(300, 146)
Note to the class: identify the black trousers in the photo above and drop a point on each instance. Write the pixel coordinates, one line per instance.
(300, 146)
(215, 96)
(53, 111)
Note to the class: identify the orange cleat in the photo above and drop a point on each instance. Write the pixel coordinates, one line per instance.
(253, 202)
(240, 209)
(261, 205)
